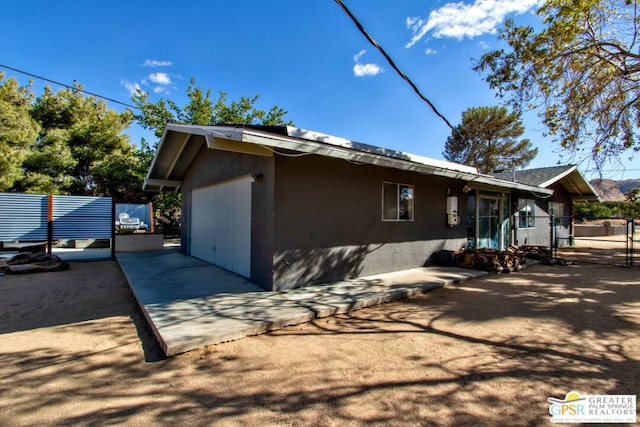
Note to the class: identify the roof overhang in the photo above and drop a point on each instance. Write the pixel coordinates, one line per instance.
(576, 184)
(179, 146)
(181, 143)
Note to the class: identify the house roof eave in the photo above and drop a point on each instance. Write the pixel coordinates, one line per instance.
(576, 184)
(177, 149)
(411, 163)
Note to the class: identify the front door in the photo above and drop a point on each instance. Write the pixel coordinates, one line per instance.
(489, 230)
(490, 220)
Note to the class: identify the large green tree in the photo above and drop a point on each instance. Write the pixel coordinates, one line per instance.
(81, 149)
(17, 130)
(581, 69)
(487, 139)
(203, 109)
(122, 173)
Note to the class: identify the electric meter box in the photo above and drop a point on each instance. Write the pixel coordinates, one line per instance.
(453, 218)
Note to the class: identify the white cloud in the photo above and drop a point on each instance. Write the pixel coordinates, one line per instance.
(429, 51)
(154, 82)
(459, 20)
(361, 70)
(160, 78)
(357, 56)
(483, 44)
(156, 63)
(132, 87)
(157, 82)
(414, 23)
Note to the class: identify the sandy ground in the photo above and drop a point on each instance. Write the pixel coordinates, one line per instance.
(75, 350)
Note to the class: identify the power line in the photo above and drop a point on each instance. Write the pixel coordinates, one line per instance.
(612, 170)
(70, 87)
(393, 65)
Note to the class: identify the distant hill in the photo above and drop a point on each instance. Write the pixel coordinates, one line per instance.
(611, 190)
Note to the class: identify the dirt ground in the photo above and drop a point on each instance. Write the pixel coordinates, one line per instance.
(75, 350)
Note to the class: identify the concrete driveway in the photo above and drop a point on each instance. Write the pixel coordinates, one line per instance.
(190, 304)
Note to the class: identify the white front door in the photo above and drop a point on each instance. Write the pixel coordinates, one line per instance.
(221, 225)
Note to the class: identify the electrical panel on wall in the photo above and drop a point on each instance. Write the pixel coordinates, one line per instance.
(453, 218)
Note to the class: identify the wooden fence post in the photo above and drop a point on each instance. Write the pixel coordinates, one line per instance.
(49, 223)
(151, 218)
(113, 227)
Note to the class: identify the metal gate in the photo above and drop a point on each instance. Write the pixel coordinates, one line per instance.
(607, 241)
(634, 243)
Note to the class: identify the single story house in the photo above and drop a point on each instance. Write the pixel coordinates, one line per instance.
(288, 207)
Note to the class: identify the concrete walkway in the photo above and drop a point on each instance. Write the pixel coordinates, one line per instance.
(190, 304)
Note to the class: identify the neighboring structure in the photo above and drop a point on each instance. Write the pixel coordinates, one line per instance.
(287, 207)
(533, 211)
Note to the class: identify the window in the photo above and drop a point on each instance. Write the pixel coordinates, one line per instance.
(556, 210)
(526, 213)
(397, 202)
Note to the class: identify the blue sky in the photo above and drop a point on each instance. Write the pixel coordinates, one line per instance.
(307, 57)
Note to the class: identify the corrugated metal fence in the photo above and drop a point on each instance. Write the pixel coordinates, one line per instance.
(77, 217)
(23, 217)
(34, 217)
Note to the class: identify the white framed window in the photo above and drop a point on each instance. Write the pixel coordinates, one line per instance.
(397, 202)
(526, 213)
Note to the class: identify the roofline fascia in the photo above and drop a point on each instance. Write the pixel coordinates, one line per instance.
(559, 177)
(574, 168)
(593, 190)
(155, 156)
(226, 132)
(337, 141)
(252, 136)
(187, 129)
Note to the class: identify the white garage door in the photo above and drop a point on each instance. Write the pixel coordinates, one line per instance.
(221, 225)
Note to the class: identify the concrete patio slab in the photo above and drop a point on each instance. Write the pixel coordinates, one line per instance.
(190, 304)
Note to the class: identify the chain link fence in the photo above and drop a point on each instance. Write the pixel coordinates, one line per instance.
(607, 241)
(635, 244)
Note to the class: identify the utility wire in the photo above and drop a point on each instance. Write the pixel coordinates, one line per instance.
(70, 87)
(393, 64)
(612, 170)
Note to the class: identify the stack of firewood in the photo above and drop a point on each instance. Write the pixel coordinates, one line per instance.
(537, 252)
(492, 260)
(544, 255)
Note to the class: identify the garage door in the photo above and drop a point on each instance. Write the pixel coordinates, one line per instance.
(221, 225)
